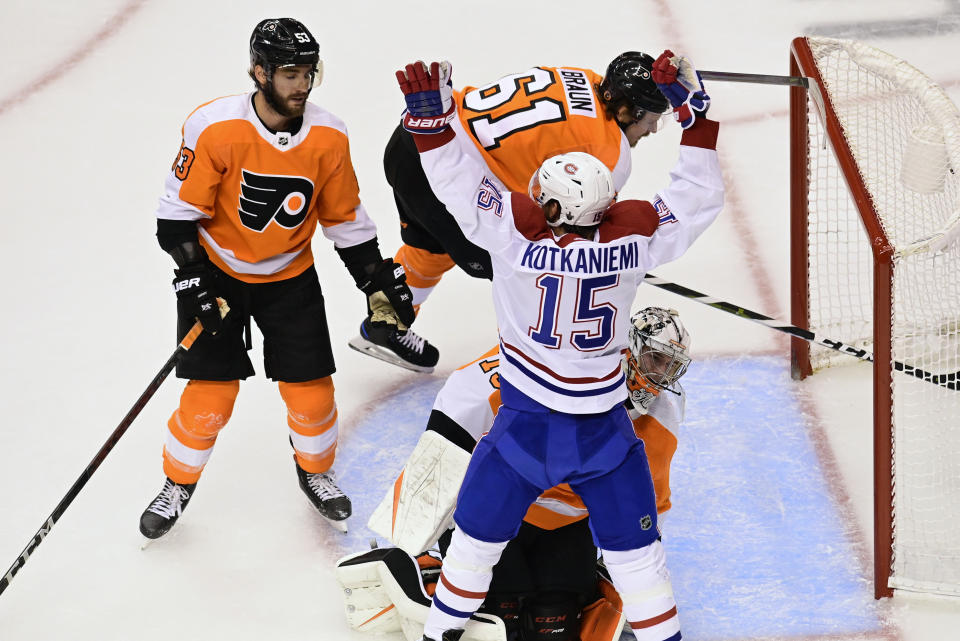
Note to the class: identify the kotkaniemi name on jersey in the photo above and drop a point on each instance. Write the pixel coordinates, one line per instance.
(580, 260)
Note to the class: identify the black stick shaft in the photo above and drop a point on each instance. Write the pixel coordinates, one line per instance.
(99, 457)
(755, 78)
(950, 381)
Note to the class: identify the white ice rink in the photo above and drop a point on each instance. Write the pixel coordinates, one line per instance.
(92, 98)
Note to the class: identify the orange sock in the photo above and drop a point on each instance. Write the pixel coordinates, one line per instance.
(205, 407)
(312, 417)
(424, 271)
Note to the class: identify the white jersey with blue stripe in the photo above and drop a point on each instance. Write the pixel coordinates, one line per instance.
(563, 302)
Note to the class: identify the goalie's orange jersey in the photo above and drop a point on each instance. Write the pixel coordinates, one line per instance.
(258, 195)
(471, 398)
(524, 118)
(560, 505)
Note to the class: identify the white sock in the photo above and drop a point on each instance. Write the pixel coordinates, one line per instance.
(642, 579)
(464, 580)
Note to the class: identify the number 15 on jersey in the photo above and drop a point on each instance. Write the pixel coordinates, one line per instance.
(591, 326)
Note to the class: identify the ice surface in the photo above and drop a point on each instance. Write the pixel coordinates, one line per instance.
(772, 506)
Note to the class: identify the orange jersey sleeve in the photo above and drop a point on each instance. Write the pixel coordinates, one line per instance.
(524, 118)
(257, 195)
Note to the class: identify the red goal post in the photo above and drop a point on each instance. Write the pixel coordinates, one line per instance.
(875, 204)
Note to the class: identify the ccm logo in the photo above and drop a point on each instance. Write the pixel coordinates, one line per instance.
(186, 284)
(559, 619)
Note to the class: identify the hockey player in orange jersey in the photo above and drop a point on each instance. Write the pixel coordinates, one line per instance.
(255, 175)
(548, 574)
(512, 126)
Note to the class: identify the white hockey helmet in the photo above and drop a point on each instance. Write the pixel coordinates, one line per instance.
(659, 354)
(581, 185)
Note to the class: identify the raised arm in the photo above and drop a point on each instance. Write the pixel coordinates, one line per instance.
(470, 192)
(694, 197)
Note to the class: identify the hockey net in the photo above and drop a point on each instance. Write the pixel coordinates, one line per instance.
(875, 191)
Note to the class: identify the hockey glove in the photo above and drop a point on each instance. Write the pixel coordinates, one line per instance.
(193, 285)
(389, 296)
(429, 96)
(681, 84)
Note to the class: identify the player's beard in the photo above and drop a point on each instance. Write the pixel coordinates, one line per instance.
(280, 105)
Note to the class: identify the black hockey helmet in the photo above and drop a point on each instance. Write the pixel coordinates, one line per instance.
(282, 42)
(629, 78)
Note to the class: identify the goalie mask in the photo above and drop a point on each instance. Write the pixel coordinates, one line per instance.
(579, 183)
(659, 354)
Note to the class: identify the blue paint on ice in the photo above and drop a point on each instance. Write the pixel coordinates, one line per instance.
(373, 452)
(755, 544)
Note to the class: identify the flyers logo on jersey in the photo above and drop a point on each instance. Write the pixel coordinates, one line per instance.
(265, 198)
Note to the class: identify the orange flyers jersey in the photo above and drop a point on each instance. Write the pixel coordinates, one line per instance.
(471, 398)
(257, 196)
(524, 118)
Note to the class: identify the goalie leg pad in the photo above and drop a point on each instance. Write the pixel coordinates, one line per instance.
(380, 587)
(418, 508)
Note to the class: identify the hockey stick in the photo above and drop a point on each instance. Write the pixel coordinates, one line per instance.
(756, 78)
(74, 490)
(949, 381)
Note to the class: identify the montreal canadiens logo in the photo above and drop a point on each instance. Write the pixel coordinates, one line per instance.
(571, 169)
(266, 198)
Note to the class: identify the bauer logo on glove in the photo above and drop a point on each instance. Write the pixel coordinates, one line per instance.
(429, 97)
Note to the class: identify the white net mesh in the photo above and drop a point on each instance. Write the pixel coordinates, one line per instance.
(904, 134)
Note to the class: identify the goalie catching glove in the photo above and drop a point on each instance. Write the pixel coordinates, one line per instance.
(429, 97)
(680, 82)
